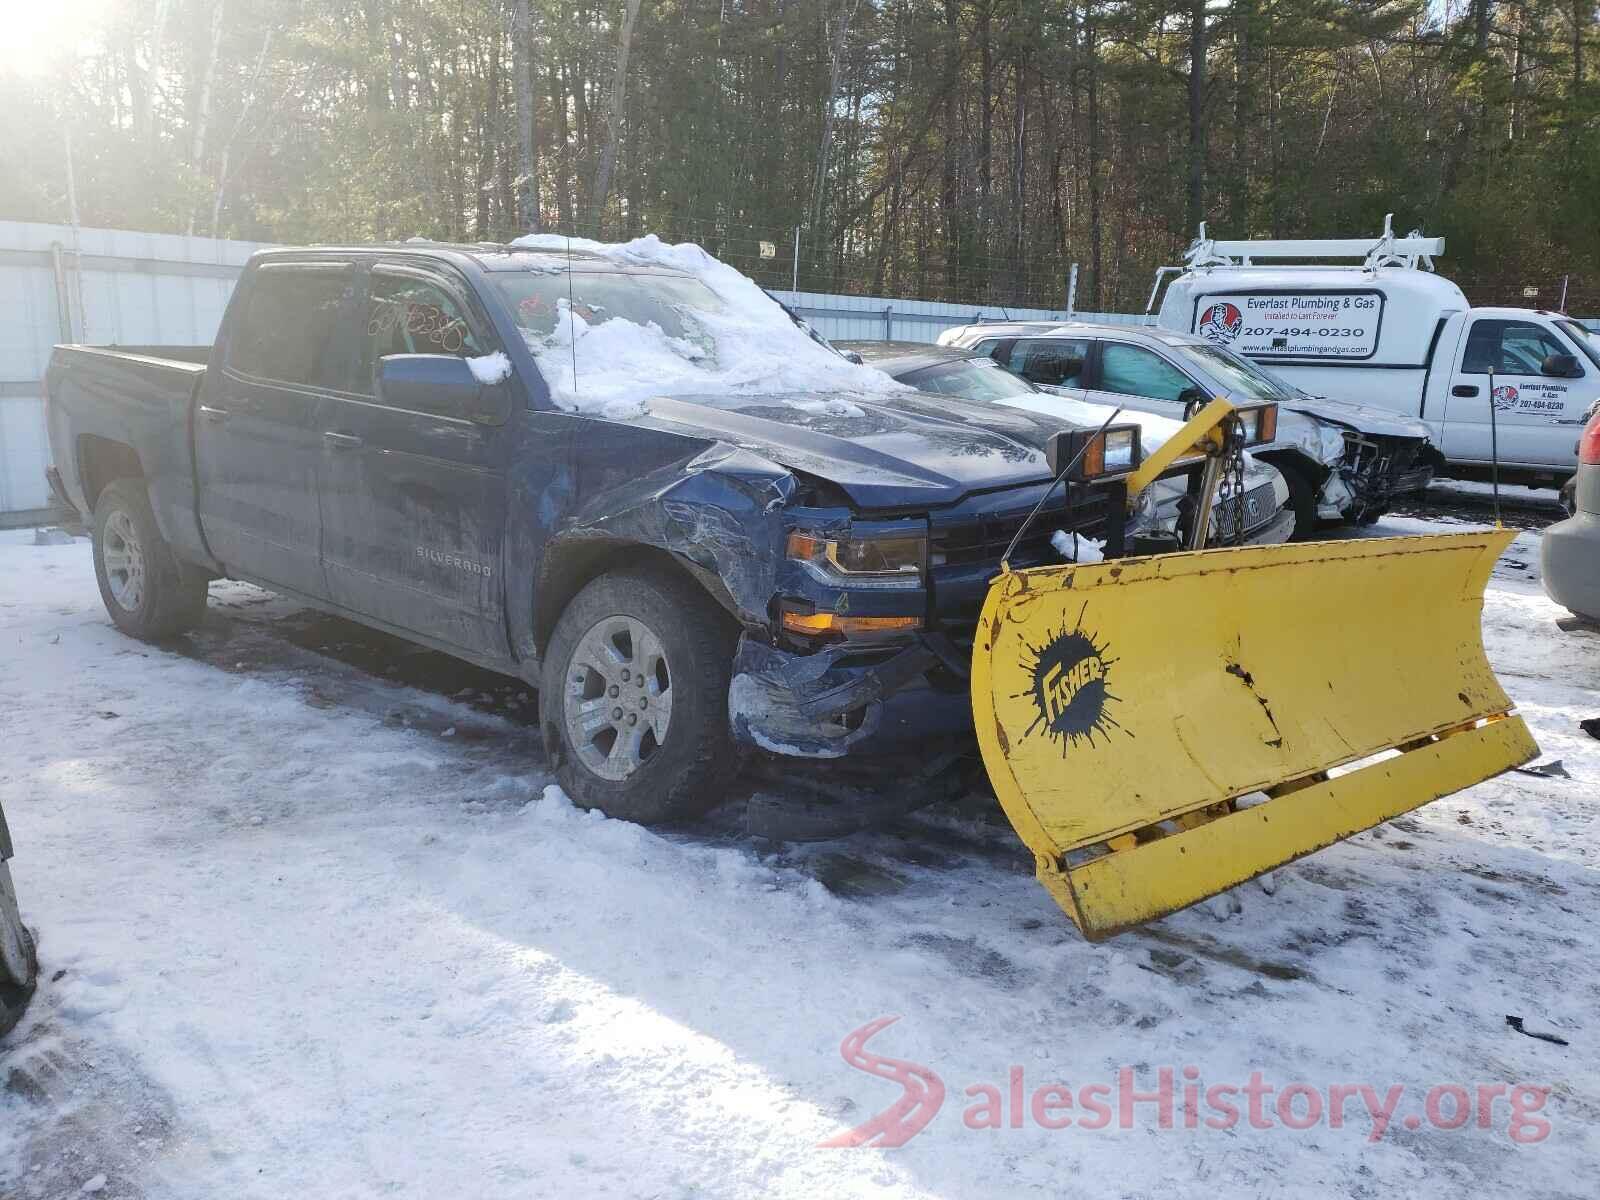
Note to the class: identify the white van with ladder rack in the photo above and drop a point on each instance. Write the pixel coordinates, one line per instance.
(1512, 383)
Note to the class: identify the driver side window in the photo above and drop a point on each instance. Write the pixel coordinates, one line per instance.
(408, 315)
(1135, 371)
(1514, 347)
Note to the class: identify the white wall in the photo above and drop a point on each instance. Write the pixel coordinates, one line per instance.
(122, 287)
(863, 318)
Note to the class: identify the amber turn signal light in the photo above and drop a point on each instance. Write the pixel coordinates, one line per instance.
(827, 622)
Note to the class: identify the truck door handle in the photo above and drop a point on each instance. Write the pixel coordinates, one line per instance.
(341, 441)
(215, 415)
(1464, 389)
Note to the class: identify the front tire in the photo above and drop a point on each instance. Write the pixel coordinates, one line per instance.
(1302, 502)
(148, 592)
(634, 702)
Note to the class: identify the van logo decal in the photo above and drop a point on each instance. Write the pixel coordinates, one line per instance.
(1505, 397)
(1071, 687)
(1221, 322)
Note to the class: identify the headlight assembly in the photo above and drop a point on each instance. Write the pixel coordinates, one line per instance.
(1331, 440)
(877, 560)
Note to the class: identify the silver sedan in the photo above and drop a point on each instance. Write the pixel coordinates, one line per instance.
(1570, 552)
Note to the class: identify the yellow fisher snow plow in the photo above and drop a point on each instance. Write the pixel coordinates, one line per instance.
(1159, 729)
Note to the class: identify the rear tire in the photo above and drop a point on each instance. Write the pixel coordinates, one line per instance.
(148, 592)
(18, 962)
(634, 702)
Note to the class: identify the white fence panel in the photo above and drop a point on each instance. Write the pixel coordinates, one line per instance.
(876, 318)
(100, 286)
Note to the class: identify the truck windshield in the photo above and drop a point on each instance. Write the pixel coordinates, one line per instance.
(1243, 379)
(669, 302)
(609, 341)
(1587, 341)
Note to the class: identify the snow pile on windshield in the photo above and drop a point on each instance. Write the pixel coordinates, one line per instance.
(745, 345)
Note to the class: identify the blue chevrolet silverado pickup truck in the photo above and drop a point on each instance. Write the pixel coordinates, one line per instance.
(689, 581)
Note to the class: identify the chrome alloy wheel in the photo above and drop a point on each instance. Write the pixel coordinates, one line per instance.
(617, 702)
(123, 558)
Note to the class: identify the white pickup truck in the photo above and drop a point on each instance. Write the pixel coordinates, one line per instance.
(1390, 333)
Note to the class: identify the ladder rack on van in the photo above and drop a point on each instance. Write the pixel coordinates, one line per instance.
(1385, 251)
(1412, 251)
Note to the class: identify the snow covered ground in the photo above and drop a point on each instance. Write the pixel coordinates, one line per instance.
(313, 923)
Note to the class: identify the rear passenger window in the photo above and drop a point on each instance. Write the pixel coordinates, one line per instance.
(409, 315)
(1135, 371)
(1050, 362)
(286, 331)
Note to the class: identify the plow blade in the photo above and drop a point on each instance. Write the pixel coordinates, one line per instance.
(1161, 729)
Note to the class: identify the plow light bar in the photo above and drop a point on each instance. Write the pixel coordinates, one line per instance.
(1260, 423)
(1114, 450)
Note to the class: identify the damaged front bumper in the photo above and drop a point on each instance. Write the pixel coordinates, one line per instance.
(1377, 469)
(850, 699)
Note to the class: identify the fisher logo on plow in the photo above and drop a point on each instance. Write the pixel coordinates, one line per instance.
(1071, 687)
(1221, 322)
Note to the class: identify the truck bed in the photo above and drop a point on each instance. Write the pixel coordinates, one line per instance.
(115, 411)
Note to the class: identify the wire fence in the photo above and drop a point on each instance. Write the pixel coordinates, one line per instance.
(790, 257)
(1029, 275)
(1555, 292)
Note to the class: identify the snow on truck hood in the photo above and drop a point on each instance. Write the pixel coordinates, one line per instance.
(726, 335)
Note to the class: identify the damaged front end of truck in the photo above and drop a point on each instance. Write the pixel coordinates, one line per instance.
(854, 576)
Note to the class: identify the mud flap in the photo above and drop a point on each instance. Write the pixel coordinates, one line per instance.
(1161, 729)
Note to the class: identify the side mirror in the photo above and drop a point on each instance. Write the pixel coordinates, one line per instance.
(442, 384)
(1190, 397)
(1562, 366)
